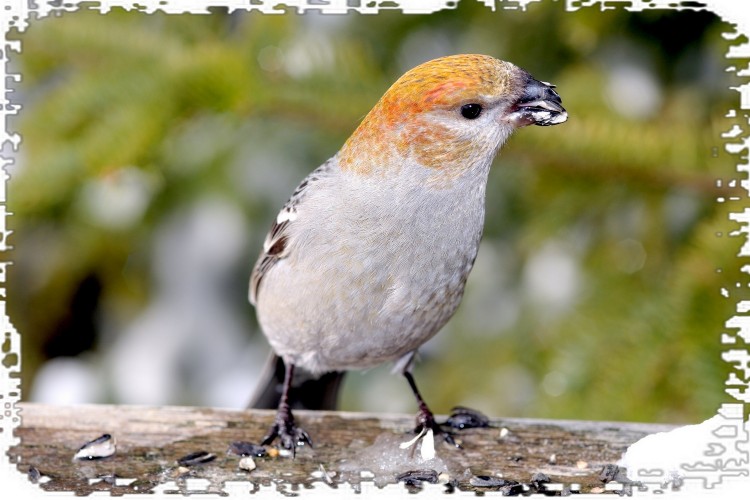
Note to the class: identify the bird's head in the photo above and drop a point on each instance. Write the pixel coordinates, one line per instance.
(450, 114)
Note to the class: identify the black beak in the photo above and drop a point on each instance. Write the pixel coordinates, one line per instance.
(539, 105)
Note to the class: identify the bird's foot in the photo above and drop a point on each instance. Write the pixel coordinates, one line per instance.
(290, 436)
(426, 421)
(461, 418)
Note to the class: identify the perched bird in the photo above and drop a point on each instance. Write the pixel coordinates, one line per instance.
(369, 257)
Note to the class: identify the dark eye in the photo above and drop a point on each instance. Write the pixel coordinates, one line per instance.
(471, 111)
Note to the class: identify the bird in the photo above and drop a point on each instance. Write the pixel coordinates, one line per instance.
(369, 257)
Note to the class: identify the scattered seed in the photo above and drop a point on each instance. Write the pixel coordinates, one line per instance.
(552, 460)
(450, 486)
(110, 479)
(582, 464)
(506, 486)
(273, 452)
(538, 481)
(246, 449)
(427, 450)
(487, 481)
(512, 490)
(327, 476)
(247, 463)
(611, 472)
(466, 418)
(416, 477)
(504, 432)
(34, 474)
(196, 458)
(101, 447)
(412, 441)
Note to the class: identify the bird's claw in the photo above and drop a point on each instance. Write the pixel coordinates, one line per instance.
(439, 431)
(290, 436)
(426, 421)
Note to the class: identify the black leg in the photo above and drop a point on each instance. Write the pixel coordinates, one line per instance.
(284, 427)
(425, 418)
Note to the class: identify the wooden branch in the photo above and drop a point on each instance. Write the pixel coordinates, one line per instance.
(350, 448)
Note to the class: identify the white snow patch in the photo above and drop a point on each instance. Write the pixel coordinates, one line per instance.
(709, 452)
(385, 458)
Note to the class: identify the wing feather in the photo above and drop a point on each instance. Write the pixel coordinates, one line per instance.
(276, 245)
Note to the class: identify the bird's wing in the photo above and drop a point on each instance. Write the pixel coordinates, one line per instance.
(276, 246)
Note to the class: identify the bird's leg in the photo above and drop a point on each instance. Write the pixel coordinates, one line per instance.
(425, 418)
(284, 427)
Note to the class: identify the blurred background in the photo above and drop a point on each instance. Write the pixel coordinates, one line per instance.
(158, 149)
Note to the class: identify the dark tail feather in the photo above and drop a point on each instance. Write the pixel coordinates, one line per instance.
(308, 393)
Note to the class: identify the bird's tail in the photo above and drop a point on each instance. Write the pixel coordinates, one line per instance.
(308, 392)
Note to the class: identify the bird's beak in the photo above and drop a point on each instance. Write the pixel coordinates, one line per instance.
(539, 105)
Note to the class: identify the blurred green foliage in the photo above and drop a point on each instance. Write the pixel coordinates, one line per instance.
(191, 103)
